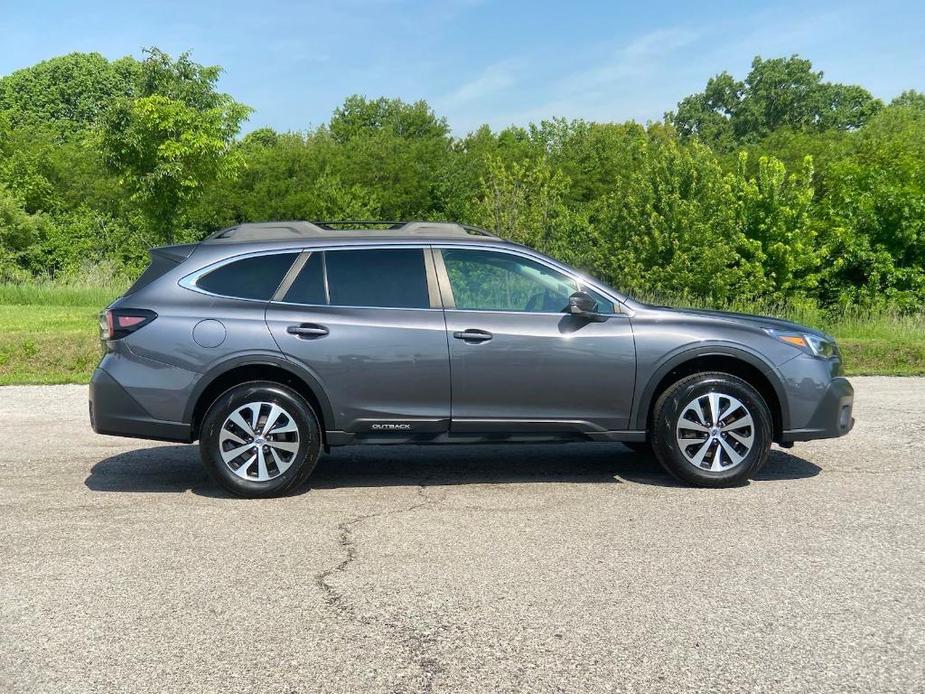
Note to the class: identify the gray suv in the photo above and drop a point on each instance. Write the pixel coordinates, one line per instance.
(269, 342)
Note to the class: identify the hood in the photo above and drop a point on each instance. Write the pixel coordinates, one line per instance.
(747, 319)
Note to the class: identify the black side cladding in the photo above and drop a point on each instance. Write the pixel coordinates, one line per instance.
(163, 259)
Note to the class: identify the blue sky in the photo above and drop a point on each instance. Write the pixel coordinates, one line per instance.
(479, 61)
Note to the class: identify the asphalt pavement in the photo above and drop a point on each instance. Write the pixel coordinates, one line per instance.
(571, 567)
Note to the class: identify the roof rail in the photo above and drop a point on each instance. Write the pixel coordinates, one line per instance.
(272, 231)
(479, 231)
(259, 231)
(410, 227)
(425, 228)
(354, 224)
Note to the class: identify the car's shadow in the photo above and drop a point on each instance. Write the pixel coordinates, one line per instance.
(178, 469)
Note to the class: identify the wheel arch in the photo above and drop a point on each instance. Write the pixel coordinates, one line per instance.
(253, 368)
(748, 366)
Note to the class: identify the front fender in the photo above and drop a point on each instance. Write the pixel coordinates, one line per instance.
(680, 355)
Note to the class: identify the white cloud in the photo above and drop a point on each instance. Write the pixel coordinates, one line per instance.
(616, 87)
(494, 79)
(659, 42)
(638, 57)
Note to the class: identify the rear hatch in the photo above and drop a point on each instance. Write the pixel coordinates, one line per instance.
(163, 260)
(121, 318)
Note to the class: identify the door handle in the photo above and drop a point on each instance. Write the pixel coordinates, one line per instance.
(307, 330)
(472, 335)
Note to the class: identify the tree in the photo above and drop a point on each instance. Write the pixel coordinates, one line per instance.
(910, 98)
(672, 227)
(775, 210)
(470, 160)
(401, 149)
(777, 186)
(172, 137)
(69, 93)
(522, 203)
(873, 213)
(359, 116)
(18, 231)
(709, 115)
(777, 93)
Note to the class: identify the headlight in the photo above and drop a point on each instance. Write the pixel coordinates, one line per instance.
(820, 346)
(813, 344)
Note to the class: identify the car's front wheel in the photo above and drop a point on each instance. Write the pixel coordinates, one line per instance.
(711, 430)
(260, 439)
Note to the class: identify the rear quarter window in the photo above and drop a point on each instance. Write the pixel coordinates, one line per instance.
(256, 277)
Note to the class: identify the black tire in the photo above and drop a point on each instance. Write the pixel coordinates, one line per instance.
(300, 465)
(671, 405)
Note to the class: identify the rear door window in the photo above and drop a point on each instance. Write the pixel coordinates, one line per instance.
(374, 278)
(256, 277)
(308, 287)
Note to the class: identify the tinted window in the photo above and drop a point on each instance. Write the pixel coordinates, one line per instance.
(308, 287)
(256, 277)
(387, 278)
(488, 281)
(159, 266)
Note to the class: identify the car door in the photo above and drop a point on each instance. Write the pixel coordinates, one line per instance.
(519, 363)
(367, 324)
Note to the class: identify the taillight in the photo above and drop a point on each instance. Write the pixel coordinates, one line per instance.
(116, 323)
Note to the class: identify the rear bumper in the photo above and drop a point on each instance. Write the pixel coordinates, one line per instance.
(832, 418)
(116, 413)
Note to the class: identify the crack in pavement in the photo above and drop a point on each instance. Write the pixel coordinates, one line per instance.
(345, 540)
(416, 643)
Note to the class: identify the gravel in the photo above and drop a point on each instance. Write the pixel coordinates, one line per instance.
(578, 567)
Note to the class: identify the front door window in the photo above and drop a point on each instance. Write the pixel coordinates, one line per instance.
(490, 281)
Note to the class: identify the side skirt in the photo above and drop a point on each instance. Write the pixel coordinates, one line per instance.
(343, 438)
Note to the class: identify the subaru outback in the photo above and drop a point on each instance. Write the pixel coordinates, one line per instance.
(269, 343)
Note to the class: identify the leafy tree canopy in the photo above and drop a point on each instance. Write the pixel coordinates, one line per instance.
(71, 93)
(359, 116)
(910, 98)
(776, 93)
(779, 187)
(172, 137)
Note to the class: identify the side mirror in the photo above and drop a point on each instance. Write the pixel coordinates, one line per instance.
(582, 304)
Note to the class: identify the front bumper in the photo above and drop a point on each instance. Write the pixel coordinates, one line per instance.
(832, 416)
(116, 413)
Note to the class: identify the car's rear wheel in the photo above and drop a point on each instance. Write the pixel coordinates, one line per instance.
(711, 430)
(260, 439)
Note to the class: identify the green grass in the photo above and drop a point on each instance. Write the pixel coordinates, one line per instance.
(883, 357)
(48, 334)
(880, 344)
(48, 344)
(47, 294)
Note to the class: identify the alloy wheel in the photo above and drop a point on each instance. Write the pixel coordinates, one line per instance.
(259, 441)
(715, 432)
